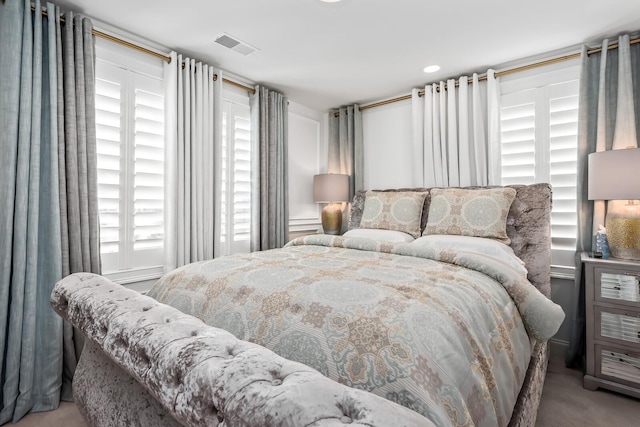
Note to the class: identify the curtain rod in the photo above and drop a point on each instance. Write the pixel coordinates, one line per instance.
(134, 46)
(499, 74)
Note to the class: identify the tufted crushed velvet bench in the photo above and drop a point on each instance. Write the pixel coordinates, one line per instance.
(148, 364)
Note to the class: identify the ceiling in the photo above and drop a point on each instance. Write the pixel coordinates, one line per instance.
(323, 55)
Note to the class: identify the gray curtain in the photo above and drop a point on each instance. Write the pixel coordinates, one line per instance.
(609, 97)
(346, 150)
(77, 165)
(48, 209)
(346, 154)
(270, 188)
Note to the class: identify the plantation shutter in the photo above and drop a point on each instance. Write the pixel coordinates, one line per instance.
(539, 135)
(563, 160)
(236, 178)
(109, 128)
(518, 139)
(130, 147)
(148, 197)
(242, 174)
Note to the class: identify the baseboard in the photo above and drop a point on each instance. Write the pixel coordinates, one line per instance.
(558, 346)
(557, 342)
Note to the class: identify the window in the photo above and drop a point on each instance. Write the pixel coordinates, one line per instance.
(539, 139)
(235, 211)
(130, 148)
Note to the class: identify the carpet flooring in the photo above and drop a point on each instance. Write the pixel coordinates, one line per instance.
(564, 404)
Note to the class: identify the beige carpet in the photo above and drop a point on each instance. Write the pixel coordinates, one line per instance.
(67, 415)
(564, 404)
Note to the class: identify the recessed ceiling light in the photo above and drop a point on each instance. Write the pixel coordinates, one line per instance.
(431, 68)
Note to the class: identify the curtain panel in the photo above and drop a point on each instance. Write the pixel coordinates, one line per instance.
(608, 120)
(456, 133)
(193, 129)
(270, 187)
(48, 213)
(346, 150)
(77, 166)
(346, 147)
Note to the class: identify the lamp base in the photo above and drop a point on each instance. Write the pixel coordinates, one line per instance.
(332, 219)
(623, 230)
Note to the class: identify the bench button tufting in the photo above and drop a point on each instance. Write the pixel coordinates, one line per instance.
(346, 420)
(231, 352)
(276, 382)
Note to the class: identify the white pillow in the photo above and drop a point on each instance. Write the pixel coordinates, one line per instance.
(489, 247)
(380, 235)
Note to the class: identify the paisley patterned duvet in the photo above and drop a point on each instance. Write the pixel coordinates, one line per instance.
(445, 333)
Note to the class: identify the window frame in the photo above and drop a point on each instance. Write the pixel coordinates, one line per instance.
(231, 97)
(562, 261)
(137, 63)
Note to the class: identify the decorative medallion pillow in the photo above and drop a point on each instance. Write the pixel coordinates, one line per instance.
(466, 212)
(393, 210)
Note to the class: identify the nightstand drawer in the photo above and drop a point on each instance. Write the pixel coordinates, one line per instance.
(612, 316)
(621, 366)
(617, 325)
(621, 286)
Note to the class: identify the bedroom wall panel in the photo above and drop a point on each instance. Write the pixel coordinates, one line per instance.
(387, 146)
(307, 157)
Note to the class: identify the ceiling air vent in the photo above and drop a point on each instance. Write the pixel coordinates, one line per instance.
(233, 43)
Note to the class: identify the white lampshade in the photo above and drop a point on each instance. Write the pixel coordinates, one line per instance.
(614, 175)
(330, 187)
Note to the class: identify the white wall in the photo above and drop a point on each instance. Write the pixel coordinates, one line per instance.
(307, 157)
(387, 146)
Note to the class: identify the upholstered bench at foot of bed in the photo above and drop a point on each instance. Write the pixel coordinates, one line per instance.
(107, 396)
(198, 374)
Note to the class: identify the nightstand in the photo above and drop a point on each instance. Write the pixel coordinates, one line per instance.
(612, 306)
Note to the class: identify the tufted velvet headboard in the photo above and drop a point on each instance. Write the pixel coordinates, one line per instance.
(528, 227)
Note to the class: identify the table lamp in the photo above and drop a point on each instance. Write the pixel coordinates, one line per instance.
(615, 176)
(332, 189)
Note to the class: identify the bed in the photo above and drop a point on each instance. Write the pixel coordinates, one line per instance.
(384, 333)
